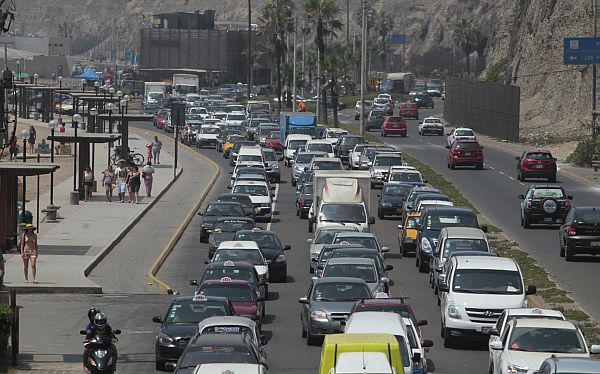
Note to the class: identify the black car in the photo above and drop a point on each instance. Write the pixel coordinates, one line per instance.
(272, 165)
(220, 348)
(358, 252)
(272, 250)
(304, 199)
(432, 221)
(215, 210)
(150, 109)
(423, 100)
(305, 177)
(180, 323)
(224, 229)
(391, 198)
(375, 119)
(243, 199)
(580, 234)
(544, 205)
(346, 144)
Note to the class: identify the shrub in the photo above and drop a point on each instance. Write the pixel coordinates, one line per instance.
(496, 70)
(587, 151)
(5, 321)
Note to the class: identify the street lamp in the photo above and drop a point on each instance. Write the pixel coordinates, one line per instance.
(25, 137)
(96, 86)
(60, 79)
(119, 96)
(76, 119)
(52, 125)
(126, 98)
(109, 109)
(94, 113)
(35, 78)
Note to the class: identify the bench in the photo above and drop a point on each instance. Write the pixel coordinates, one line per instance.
(51, 213)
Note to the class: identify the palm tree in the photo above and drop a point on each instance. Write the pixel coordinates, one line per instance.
(384, 25)
(321, 17)
(276, 21)
(468, 37)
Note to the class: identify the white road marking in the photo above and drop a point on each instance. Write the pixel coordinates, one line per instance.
(491, 168)
(509, 177)
(501, 172)
(273, 205)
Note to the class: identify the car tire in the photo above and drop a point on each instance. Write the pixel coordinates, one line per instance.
(417, 259)
(310, 227)
(159, 365)
(442, 328)
(423, 267)
(293, 183)
(380, 214)
(448, 339)
(452, 167)
(526, 221)
(383, 134)
(203, 239)
(479, 166)
(569, 255)
(562, 250)
(297, 213)
(404, 135)
(303, 333)
(311, 340)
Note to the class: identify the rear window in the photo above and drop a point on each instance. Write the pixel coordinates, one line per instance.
(548, 192)
(394, 119)
(539, 155)
(408, 106)
(377, 113)
(470, 145)
(439, 221)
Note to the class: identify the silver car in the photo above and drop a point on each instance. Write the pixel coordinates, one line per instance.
(302, 160)
(353, 267)
(324, 236)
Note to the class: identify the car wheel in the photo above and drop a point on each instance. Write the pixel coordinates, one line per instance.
(293, 183)
(297, 212)
(380, 214)
(526, 221)
(310, 339)
(310, 227)
(404, 135)
(479, 166)
(452, 167)
(552, 179)
(203, 239)
(448, 339)
(442, 328)
(417, 259)
(562, 250)
(423, 267)
(401, 249)
(383, 134)
(569, 253)
(159, 365)
(302, 328)
(439, 301)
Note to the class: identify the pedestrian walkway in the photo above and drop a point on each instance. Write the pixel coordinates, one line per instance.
(87, 232)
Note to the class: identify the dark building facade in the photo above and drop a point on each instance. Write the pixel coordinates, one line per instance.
(183, 20)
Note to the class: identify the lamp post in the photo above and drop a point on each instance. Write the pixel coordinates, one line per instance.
(96, 86)
(25, 137)
(109, 108)
(119, 96)
(94, 113)
(52, 125)
(126, 98)
(111, 91)
(60, 100)
(35, 78)
(121, 129)
(75, 124)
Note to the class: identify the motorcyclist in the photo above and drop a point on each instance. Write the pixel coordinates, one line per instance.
(91, 314)
(99, 327)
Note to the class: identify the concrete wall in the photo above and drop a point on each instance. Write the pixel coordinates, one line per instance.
(44, 66)
(37, 45)
(59, 46)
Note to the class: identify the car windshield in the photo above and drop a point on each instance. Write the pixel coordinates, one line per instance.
(220, 115)
(340, 291)
(487, 281)
(155, 95)
(231, 272)
(408, 106)
(327, 165)
(394, 119)
(364, 272)
(237, 145)
(377, 113)
(365, 241)
(351, 213)
(387, 161)
(406, 177)
(320, 147)
(264, 240)
(439, 221)
(351, 141)
(467, 145)
(396, 190)
(548, 192)
(274, 135)
(232, 291)
(432, 120)
(548, 340)
(270, 155)
(304, 158)
(252, 256)
(380, 101)
(539, 155)
(403, 310)
(335, 134)
(259, 107)
(326, 236)
(464, 133)
(307, 190)
(233, 225)
(412, 222)
(220, 354)
(341, 253)
(209, 130)
(190, 311)
(246, 171)
(267, 130)
(223, 210)
(252, 158)
(452, 245)
(294, 144)
(251, 189)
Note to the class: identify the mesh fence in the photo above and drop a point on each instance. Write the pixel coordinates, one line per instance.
(488, 108)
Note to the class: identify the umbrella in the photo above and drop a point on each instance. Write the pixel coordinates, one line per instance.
(23, 75)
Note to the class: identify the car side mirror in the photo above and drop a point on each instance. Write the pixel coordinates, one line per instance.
(424, 180)
(554, 159)
(389, 267)
(82, 332)
(444, 287)
(484, 228)
(494, 332)
(200, 213)
(385, 249)
(321, 266)
(303, 300)
(448, 147)
(570, 197)
(531, 290)
(117, 332)
(518, 158)
(496, 345)
(595, 349)
(409, 207)
(263, 340)
(385, 280)
(170, 366)
(310, 241)
(193, 282)
(521, 197)
(207, 262)
(427, 343)
(371, 220)
(448, 134)
(422, 322)
(287, 247)
(261, 298)
(481, 146)
(416, 357)
(378, 195)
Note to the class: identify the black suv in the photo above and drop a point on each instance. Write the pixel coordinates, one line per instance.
(346, 144)
(544, 205)
(423, 100)
(580, 234)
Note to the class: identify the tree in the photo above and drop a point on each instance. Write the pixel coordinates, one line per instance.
(468, 38)
(384, 25)
(321, 18)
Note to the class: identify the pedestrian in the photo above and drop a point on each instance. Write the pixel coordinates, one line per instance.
(156, 147)
(134, 182)
(29, 251)
(13, 147)
(149, 151)
(148, 176)
(61, 128)
(88, 183)
(108, 178)
(31, 140)
(121, 172)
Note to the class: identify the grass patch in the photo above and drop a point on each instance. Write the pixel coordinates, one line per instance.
(574, 314)
(555, 295)
(591, 331)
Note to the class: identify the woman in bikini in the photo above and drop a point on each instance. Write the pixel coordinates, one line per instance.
(29, 251)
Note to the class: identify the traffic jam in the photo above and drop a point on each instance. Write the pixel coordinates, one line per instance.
(354, 306)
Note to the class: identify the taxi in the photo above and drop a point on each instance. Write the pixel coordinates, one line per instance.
(230, 325)
(229, 141)
(408, 232)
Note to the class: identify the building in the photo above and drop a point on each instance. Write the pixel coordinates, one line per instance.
(39, 45)
(187, 21)
(59, 46)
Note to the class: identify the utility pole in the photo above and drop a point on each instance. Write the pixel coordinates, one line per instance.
(250, 62)
(594, 130)
(318, 83)
(347, 22)
(304, 57)
(294, 70)
(363, 65)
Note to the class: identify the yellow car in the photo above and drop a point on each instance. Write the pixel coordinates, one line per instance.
(408, 232)
(229, 143)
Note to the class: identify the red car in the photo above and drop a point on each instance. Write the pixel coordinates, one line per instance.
(465, 153)
(536, 163)
(409, 109)
(394, 125)
(274, 142)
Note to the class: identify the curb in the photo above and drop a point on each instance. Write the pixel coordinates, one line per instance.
(21, 290)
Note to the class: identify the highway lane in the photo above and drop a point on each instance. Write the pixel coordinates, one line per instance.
(287, 351)
(494, 192)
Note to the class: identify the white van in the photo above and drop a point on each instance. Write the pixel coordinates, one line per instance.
(250, 154)
(476, 291)
(362, 363)
(292, 142)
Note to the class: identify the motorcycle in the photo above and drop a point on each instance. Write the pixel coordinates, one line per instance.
(100, 358)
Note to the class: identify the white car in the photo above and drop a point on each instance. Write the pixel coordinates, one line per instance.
(424, 203)
(526, 343)
(292, 143)
(230, 368)
(259, 194)
(235, 118)
(460, 133)
(385, 96)
(207, 135)
(354, 155)
(332, 135)
(245, 245)
(431, 125)
(418, 345)
(319, 145)
(405, 176)
(368, 106)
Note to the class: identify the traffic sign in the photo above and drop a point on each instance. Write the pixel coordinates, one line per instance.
(581, 51)
(398, 39)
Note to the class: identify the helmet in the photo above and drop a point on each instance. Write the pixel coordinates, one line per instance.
(92, 313)
(100, 320)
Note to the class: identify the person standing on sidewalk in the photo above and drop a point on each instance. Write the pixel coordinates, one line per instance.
(148, 176)
(121, 173)
(29, 251)
(31, 140)
(88, 183)
(149, 151)
(134, 182)
(108, 178)
(13, 147)
(156, 147)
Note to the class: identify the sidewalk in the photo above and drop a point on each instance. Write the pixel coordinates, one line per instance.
(70, 248)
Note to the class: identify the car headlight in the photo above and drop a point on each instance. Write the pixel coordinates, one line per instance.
(319, 315)
(426, 246)
(386, 205)
(378, 172)
(453, 311)
(164, 339)
(516, 369)
(280, 258)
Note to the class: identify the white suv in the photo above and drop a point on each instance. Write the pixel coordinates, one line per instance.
(476, 291)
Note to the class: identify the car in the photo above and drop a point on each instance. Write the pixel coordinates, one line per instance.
(385, 104)
(434, 90)
(580, 234)
(396, 305)
(327, 304)
(260, 194)
(419, 347)
(305, 177)
(425, 204)
(235, 149)
(368, 154)
(543, 204)
(431, 223)
(423, 100)
(408, 204)
(255, 169)
(239, 198)
(230, 367)
(225, 141)
(362, 252)
(319, 145)
(365, 239)
(271, 160)
(362, 268)
(264, 130)
(432, 198)
(213, 211)
(272, 250)
(566, 365)
(246, 153)
(235, 118)
(325, 163)
(180, 322)
(346, 144)
(375, 119)
(394, 125)
(408, 233)
(274, 142)
(244, 251)
(224, 230)
(332, 134)
(431, 125)
(382, 162)
(230, 325)
(391, 198)
(301, 161)
(460, 133)
(324, 236)
(536, 163)
(357, 108)
(354, 155)
(292, 143)
(406, 177)
(465, 153)
(409, 109)
(526, 343)
(304, 200)
(235, 270)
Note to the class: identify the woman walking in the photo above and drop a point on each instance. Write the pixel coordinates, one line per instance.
(13, 147)
(134, 182)
(31, 140)
(148, 176)
(108, 178)
(88, 183)
(29, 251)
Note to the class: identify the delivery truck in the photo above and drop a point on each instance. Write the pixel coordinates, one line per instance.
(297, 123)
(184, 84)
(154, 91)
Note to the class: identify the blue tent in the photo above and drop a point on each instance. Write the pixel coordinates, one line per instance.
(88, 75)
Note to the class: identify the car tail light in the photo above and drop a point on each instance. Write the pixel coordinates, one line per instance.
(301, 202)
(567, 204)
(455, 151)
(571, 231)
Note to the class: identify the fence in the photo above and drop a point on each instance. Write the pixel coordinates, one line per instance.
(488, 108)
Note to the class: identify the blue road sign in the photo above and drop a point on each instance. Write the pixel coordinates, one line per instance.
(581, 51)
(398, 39)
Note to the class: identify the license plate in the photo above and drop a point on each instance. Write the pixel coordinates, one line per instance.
(467, 153)
(595, 244)
(548, 219)
(539, 166)
(399, 210)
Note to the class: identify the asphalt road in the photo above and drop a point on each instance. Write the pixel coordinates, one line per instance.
(494, 192)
